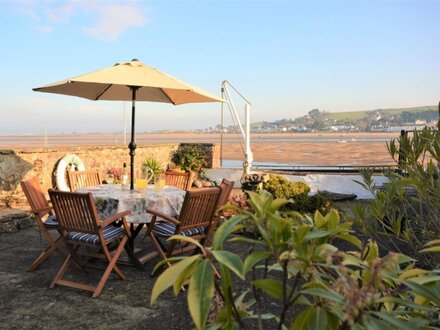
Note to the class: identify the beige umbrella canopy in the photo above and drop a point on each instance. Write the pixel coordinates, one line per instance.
(130, 81)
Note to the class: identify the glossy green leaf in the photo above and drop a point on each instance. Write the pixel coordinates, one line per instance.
(300, 322)
(332, 218)
(431, 249)
(324, 250)
(223, 232)
(319, 220)
(277, 204)
(200, 293)
(230, 260)
(254, 258)
(170, 275)
(423, 291)
(403, 302)
(425, 279)
(272, 287)
(247, 240)
(394, 321)
(372, 323)
(318, 319)
(326, 294)
(433, 242)
(184, 276)
(351, 239)
(186, 239)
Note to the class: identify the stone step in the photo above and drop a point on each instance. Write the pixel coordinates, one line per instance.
(13, 220)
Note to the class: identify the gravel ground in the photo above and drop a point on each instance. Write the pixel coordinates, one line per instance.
(27, 302)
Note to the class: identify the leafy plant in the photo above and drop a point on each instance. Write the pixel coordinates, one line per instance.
(153, 165)
(405, 213)
(296, 265)
(191, 158)
(280, 187)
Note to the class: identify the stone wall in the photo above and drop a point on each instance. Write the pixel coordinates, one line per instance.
(20, 164)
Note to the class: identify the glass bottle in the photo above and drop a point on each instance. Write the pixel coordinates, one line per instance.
(124, 177)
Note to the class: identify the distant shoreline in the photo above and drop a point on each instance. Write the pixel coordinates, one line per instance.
(360, 149)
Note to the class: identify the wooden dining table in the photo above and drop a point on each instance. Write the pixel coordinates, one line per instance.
(112, 198)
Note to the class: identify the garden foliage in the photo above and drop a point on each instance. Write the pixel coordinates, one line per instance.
(405, 213)
(296, 192)
(295, 263)
(191, 158)
(153, 165)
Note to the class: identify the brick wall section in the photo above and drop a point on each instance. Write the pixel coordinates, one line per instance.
(19, 164)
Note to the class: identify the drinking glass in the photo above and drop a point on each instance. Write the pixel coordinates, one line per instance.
(110, 178)
(159, 182)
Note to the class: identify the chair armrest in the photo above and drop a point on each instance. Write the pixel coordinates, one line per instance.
(114, 218)
(43, 210)
(164, 216)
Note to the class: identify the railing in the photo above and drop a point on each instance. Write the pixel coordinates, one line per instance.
(323, 168)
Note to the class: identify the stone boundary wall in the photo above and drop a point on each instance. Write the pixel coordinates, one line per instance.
(20, 164)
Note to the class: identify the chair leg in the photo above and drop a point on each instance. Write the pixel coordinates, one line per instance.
(61, 271)
(111, 266)
(54, 246)
(159, 249)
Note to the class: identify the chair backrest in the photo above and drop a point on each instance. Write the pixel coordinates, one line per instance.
(179, 179)
(75, 211)
(34, 194)
(198, 208)
(81, 179)
(226, 187)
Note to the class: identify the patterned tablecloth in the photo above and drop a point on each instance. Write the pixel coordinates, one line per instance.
(110, 199)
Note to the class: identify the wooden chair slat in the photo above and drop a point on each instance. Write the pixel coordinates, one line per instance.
(178, 179)
(81, 179)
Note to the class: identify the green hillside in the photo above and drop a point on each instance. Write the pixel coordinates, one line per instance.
(356, 115)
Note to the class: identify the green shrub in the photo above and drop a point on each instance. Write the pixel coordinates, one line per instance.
(298, 192)
(281, 187)
(191, 158)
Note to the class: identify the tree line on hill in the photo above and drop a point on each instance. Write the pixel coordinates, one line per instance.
(367, 121)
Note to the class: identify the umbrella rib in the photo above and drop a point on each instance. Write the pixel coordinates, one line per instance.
(102, 93)
(171, 101)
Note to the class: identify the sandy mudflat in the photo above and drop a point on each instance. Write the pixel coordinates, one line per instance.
(300, 148)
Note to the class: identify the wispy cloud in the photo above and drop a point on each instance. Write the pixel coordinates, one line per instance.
(63, 13)
(114, 19)
(104, 20)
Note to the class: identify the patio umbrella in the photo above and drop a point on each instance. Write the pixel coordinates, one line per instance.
(130, 81)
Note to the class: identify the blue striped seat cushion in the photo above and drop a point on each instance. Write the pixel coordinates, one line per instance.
(168, 229)
(51, 222)
(109, 233)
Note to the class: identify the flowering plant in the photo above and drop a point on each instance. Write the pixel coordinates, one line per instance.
(117, 173)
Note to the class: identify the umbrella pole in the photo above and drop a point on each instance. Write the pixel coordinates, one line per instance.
(132, 146)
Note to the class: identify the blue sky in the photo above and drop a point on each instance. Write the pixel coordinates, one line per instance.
(286, 57)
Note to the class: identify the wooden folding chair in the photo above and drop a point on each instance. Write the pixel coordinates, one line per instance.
(81, 228)
(181, 180)
(81, 179)
(226, 187)
(46, 221)
(197, 212)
